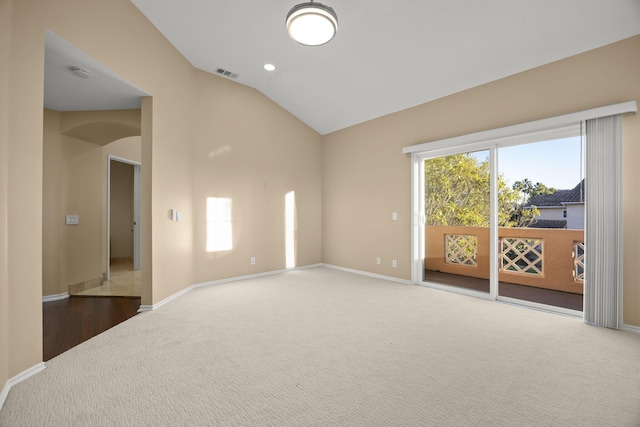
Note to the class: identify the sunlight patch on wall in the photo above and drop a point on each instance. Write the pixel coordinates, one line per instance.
(290, 228)
(219, 224)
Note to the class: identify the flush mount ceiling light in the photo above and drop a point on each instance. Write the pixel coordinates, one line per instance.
(312, 24)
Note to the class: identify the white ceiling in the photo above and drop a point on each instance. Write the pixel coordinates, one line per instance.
(388, 55)
(104, 90)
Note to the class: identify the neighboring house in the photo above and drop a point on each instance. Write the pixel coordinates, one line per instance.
(562, 209)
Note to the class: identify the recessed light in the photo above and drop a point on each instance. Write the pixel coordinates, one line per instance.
(269, 67)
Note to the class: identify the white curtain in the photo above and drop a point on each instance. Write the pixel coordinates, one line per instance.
(603, 233)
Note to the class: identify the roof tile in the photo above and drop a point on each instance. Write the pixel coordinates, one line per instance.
(560, 197)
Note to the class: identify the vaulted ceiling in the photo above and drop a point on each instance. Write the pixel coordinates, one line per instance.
(387, 55)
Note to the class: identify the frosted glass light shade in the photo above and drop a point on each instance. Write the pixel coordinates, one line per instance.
(312, 24)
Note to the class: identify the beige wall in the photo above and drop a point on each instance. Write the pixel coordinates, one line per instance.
(52, 210)
(126, 148)
(23, 169)
(74, 183)
(5, 56)
(140, 54)
(81, 195)
(366, 176)
(251, 150)
(121, 207)
(101, 127)
(146, 187)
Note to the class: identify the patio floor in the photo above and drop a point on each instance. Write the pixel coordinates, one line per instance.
(511, 290)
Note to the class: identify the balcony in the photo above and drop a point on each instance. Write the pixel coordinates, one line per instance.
(535, 264)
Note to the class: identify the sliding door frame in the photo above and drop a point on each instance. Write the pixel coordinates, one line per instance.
(419, 220)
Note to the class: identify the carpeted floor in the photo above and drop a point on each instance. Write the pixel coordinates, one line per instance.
(323, 347)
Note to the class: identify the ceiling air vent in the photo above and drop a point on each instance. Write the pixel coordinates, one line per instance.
(226, 73)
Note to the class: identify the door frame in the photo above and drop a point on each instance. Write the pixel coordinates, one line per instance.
(417, 204)
(136, 211)
(419, 220)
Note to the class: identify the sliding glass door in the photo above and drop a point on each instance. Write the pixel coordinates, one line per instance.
(457, 217)
(541, 240)
(504, 220)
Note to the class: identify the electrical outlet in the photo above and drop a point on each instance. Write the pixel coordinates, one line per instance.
(394, 263)
(378, 260)
(394, 216)
(253, 260)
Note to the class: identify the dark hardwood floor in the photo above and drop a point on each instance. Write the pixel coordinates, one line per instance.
(71, 321)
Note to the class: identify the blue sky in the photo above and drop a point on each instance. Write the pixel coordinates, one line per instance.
(554, 163)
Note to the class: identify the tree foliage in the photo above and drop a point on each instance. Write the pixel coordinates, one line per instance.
(521, 217)
(457, 192)
(528, 189)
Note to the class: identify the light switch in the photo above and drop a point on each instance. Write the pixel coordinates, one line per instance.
(178, 215)
(72, 219)
(394, 216)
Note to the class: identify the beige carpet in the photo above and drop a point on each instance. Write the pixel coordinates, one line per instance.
(323, 347)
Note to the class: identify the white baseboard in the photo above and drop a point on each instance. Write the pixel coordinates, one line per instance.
(305, 267)
(170, 298)
(56, 297)
(144, 308)
(253, 276)
(235, 279)
(630, 328)
(19, 378)
(366, 273)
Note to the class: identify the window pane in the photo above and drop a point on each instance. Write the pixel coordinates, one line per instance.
(541, 223)
(457, 214)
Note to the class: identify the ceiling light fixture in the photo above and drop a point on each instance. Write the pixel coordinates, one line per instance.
(80, 72)
(269, 67)
(312, 24)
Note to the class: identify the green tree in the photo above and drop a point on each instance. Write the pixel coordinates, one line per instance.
(457, 192)
(526, 190)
